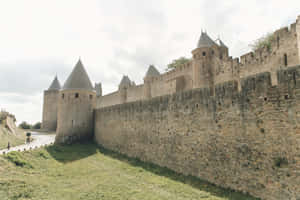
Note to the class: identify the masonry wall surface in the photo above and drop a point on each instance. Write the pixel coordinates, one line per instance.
(212, 65)
(248, 140)
(49, 121)
(75, 120)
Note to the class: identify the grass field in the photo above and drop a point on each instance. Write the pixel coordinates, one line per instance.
(6, 136)
(85, 171)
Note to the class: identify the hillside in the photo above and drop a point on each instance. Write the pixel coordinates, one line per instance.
(85, 171)
(9, 132)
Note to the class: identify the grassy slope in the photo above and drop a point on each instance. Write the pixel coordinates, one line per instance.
(14, 140)
(88, 172)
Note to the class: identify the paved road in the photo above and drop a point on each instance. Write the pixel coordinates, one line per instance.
(39, 139)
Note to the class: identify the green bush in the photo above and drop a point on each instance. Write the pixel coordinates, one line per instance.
(38, 125)
(16, 158)
(263, 42)
(25, 125)
(177, 62)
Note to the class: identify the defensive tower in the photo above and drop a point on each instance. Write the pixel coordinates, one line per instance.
(151, 73)
(49, 121)
(123, 86)
(76, 103)
(202, 65)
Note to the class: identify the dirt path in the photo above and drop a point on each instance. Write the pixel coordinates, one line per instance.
(39, 139)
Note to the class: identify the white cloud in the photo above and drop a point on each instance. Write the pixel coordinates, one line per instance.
(41, 38)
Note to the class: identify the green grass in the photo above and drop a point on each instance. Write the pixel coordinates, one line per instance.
(85, 171)
(14, 140)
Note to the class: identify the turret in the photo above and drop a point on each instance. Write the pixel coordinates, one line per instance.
(203, 72)
(49, 121)
(123, 86)
(98, 88)
(76, 104)
(223, 49)
(151, 73)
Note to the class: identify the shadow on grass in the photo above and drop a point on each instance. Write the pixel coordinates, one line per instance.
(190, 180)
(72, 152)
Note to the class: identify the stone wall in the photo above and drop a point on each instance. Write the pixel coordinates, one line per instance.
(210, 66)
(75, 118)
(108, 100)
(49, 121)
(135, 93)
(247, 140)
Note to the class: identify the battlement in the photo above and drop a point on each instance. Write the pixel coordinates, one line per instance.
(211, 65)
(216, 137)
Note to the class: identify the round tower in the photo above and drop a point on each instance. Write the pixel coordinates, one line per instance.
(123, 86)
(49, 121)
(203, 67)
(151, 73)
(77, 100)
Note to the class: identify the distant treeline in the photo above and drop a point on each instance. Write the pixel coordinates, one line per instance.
(25, 125)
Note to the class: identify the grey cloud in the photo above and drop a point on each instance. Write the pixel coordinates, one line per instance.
(30, 77)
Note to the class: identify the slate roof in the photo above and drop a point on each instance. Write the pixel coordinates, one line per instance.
(220, 43)
(205, 41)
(125, 81)
(55, 85)
(78, 79)
(152, 71)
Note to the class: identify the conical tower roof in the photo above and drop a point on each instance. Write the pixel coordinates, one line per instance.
(125, 81)
(55, 85)
(220, 43)
(78, 79)
(152, 71)
(205, 41)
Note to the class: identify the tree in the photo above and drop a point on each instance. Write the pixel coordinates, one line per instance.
(177, 62)
(37, 125)
(25, 125)
(263, 42)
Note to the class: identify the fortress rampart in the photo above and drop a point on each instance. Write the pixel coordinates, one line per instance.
(247, 139)
(212, 65)
(234, 122)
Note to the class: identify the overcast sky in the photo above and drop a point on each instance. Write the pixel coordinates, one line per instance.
(39, 39)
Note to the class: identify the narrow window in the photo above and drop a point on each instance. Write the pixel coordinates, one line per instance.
(285, 60)
(91, 96)
(203, 53)
(76, 95)
(278, 41)
(63, 95)
(73, 123)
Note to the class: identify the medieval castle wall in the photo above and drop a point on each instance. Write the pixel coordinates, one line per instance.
(50, 110)
(75, 115)
(247, 140)
(283, 52)
(233, 122)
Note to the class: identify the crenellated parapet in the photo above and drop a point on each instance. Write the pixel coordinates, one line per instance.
(211, 65)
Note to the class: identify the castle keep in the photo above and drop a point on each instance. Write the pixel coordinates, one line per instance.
(234, 122)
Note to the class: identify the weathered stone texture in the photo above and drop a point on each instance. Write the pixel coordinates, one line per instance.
(75, 115)
(211, 65)
(50, 110)
(247, 140)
